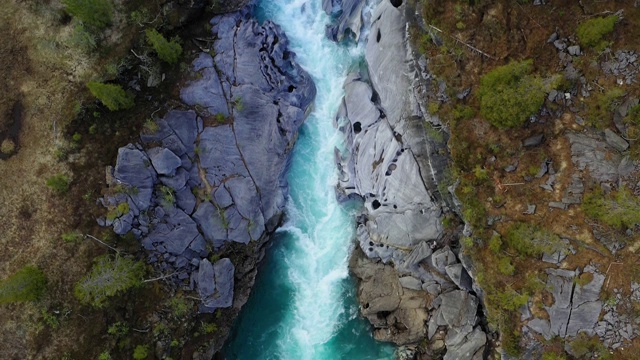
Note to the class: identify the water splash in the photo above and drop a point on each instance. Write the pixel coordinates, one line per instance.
(303, 304)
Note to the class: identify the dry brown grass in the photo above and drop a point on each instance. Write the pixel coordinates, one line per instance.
(44, 75)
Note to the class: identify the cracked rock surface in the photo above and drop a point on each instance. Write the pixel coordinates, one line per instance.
(193, 185)
(412, 286)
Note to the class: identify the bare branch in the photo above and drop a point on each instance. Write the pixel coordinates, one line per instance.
(160, 277)
(101, 242)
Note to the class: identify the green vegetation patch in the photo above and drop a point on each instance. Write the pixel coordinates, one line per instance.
(111, 95)
(141, 352)
(618, 209)
(510, 94)
(27, 284)
(168, 51)
(591, 32)
(109, 276)
(532, 240)
(97, 13)
(59, 183)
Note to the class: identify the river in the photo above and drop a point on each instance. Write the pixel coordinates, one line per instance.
(303, 304)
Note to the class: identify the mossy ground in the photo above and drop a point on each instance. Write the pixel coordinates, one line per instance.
(515, 31)
(64, 131)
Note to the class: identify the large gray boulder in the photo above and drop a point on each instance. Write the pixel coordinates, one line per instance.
(223, 271)
(458, 308)
(592, 153)
(133, 169)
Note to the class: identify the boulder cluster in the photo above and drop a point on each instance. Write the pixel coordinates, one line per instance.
(412, 285)
(212, 172)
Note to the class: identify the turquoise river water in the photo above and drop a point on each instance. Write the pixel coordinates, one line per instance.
(303, 304)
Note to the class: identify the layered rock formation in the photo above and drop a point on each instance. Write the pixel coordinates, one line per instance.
(412, 285)
(211, 173)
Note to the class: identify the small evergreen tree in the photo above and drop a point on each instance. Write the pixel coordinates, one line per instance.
(97, 13)
(168, 51)
(109, 276)
(27, 284)
(111, 95)
(591, 32)
(509, 94)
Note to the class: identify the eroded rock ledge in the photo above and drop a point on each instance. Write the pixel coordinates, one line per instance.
(211, 173)
(412, 285)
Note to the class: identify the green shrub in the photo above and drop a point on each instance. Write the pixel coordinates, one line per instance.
(82, 39)
(618, 209)
(51, 319)
(27, 284)
(509, 94)
(7, 147)
(209, 328)
(220, 118)
(59, 183)
(495, 243)
(179, 306)
(111, 95)
(553, 356)
(104, 355)
(168, 195)
(532, 240)
(591, 32)
(584, 346)
(121, 209)
(97, 13)
(509, 300)
(141, 352)
(505, 267)
(71, 236)
(168, 51)
(109, 276)
(602, 109)
(462, 112)
(118, 329)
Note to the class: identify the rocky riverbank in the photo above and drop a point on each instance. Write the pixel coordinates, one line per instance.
(210, 172)
(412, 285)
(573, 159)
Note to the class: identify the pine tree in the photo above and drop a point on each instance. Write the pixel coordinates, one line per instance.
(168, 51)
(110, 275)
(111, 95)
(97, 13)
(27, 284)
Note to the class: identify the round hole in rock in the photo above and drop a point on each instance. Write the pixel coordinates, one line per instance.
(357, 127)
(370, 243)
(375, 204)
(370, 249)
(395, 206)
(378, 36)
(393, 167)
(396, 3)
(291, 88)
